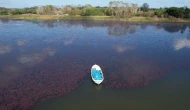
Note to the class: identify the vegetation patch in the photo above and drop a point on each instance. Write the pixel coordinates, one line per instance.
(116, 10)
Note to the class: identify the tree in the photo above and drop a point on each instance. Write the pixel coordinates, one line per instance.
(111, 7)
(31, 10)
(93, 11)
(4, 12)
(145, 7)
(122, 9)
(16, 11)
(88, 6)
(175, 12)
(187, 13)
(67, 9)
(75, 12)
(159, 12)
(49, 9)
(108, 12)
(40, 10)
(134, 8)
(2, 8)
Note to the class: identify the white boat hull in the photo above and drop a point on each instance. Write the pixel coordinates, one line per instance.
(97, 81)
(97, 68)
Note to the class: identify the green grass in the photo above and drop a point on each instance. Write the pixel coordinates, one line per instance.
(64, 17)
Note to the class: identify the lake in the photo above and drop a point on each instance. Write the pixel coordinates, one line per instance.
(46, 65)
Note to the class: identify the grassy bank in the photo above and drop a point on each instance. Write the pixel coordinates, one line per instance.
(54, 17)
(64, 17)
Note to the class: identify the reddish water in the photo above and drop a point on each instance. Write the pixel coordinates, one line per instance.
(45, 59)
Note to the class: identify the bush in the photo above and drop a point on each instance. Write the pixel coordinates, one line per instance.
(93, 11)
(187, 13)
(147, 14)
(75, 12)
(31, 10)
(16, 11)
(138, 14)
(49, 9)
(171, 18)
(159, 12)
(4, 12)
(175, 12)
(107, 12)
(145, 7)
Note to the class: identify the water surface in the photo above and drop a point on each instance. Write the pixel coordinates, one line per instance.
(46, 65)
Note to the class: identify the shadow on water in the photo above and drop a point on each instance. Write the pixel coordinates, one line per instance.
(98, 87)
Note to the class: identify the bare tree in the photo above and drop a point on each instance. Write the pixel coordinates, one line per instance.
(40, 10)
(49, 9)
(134, 8)
(122, 9)
(88, 6)
(67, 9)
(111, 7)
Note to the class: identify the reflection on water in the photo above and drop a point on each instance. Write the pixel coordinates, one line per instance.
(121, 48)
(5, 48)
(48, 40)
(32, 58)
(121, 29)
(188, 35)
(35, 58)
(181, 43)
(69, 40)
(115, 28)
(175, 27)
(49, 51)
(45, 59)
(5, 20)
(21, 42)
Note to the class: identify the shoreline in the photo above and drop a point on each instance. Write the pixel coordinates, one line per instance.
(64, 17)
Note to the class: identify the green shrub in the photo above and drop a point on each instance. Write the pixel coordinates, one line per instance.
(107, 12)
(159, 12)
(31, 10)
(93, 11)
(138, 14)
(49, 9)
(75, 12)
(147, 14)
(187, 13)
(16, 12)
(175, 12)
(4, 12)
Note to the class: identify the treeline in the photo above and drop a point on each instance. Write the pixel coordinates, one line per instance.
(6, 11)
(115, 8)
